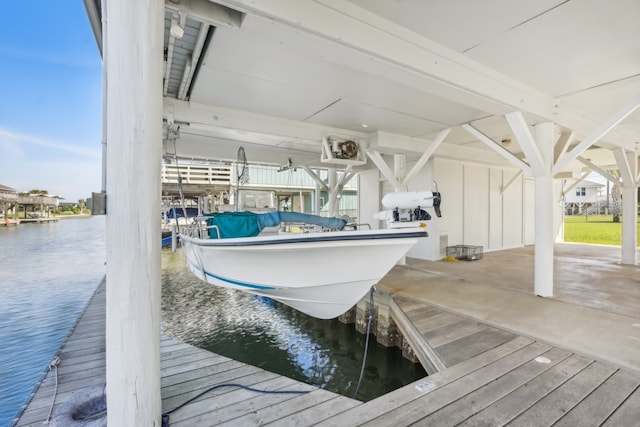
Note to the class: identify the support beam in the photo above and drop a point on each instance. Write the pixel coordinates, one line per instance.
(598, 133)
(424, 158)
(319, 182)
(629, 225)
(527, 143)
(378, 160)
(627, 175)
(544, 206)
(511, 181)
(133, 55)
(627, 164)
(227, 123)
(597, 169)
(400, 171)
(498, 149)
(561, 147)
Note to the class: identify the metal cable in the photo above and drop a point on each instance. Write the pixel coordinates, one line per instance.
(366, 344)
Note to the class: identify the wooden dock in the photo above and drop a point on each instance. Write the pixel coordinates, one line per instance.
(485, 377)
(39, 220)
(186, 371)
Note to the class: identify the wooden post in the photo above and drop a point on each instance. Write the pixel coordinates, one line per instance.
(133, 64)
(629, 224)
(544, 197)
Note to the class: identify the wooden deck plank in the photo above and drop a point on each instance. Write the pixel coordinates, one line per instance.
(71, 359)
(410, 393)
(194, 355)
(439, 397)
(462, 328)
(187, 375)
(168, 355)
(273, 413)
(422, 311)
(317, 413)
(217, 398)
(175, 394)
(599, 405)
(627, 414)
(427, 356)
(432, 323)
(556, 403)
(469, 346)
(483, 397)
(224, 405)
(210, 360)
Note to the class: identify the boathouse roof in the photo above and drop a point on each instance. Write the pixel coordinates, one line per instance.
(279, 78)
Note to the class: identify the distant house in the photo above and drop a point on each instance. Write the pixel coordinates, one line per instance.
(586, 197)
(5, 189)
(7, 194)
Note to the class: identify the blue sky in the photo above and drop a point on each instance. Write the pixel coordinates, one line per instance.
(51, 91)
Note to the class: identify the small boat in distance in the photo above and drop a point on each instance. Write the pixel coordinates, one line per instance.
(322, 274)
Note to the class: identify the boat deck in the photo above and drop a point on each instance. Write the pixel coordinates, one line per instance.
(490, 375)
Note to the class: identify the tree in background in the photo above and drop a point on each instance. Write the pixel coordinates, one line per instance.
(34, 191)
(616, 202)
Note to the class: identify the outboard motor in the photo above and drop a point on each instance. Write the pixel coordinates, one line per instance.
(407, 209)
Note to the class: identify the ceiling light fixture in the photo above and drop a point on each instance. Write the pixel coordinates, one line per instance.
(177, 26)
(177, 31)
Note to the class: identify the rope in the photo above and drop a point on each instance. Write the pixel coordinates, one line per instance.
(366, 344)
(165, 416)
(53, 365)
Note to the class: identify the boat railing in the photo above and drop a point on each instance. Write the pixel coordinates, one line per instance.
(199, 229)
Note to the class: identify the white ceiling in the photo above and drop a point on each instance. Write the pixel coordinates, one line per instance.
(407, 67)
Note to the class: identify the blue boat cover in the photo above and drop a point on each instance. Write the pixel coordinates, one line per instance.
(249, 224)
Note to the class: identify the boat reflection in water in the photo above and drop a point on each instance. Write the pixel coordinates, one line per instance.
(265, 333)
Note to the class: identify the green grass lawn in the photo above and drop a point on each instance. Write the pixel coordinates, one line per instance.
(599, 229)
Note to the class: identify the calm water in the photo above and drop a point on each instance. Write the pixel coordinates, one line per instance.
(262, 332)
(47, 274)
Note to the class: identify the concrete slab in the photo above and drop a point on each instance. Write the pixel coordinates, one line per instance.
(596, 312)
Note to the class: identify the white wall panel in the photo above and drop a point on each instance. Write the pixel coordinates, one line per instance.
(475, 210)
(512, 211)
(448, 175)
(495, 208)
(476, 205)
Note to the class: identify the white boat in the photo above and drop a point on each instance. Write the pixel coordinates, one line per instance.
(322, 274)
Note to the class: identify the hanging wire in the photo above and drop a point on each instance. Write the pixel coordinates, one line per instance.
(180, 189)
(366, 344)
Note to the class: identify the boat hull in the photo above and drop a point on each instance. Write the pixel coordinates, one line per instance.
(320, 274)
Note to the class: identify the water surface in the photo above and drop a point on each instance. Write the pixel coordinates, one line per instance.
(47, 274)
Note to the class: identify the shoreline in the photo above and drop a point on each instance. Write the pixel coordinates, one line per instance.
(73, 216)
